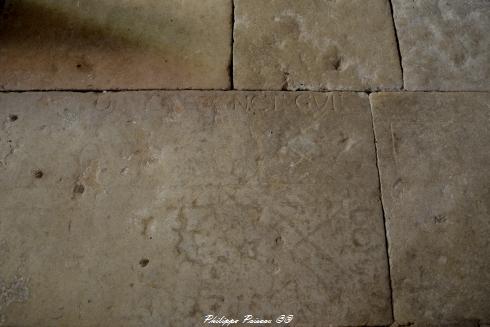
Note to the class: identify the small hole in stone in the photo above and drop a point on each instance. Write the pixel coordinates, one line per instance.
(79, 65)
(336, 63)
(144, 262)
(38, 173)
(13, 117)
(79, 188)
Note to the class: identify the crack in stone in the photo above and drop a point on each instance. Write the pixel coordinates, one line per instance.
(231, 68)
(397, 43)
(383, 211)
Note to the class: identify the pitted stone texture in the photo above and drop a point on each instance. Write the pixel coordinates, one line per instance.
(434, 150)
(156, 208)
(315, 45)
(108, 44)
(444, 44)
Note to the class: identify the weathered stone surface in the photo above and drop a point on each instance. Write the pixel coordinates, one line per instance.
(466, 323)
(434, 151)
(444, 44)
(156, 208)
(108, 44)
(315, 45)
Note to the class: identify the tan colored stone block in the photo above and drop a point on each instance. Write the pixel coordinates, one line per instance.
(156, 208)
(108, 44)
(434, 151)
(315, 45)
(468, 323)
(465, 323)
(444, 44)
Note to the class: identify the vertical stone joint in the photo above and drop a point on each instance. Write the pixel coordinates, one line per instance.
(380, 191)
(230, 68)
(397, 42)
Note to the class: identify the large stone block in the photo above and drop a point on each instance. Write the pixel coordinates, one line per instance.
(434, 154)
(109, 44)
(157, 208)
(444, 44)
(315, 45)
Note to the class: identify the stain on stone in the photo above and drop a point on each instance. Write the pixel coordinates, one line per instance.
(84, 66)
(15, 291)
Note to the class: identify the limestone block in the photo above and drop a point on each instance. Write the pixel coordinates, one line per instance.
(109, 44)
(315, 45)
(465, 323)
(434, 154)
(158, 208)
(444, 44)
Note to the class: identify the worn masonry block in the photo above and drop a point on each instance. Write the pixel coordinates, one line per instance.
(156, 208)
(108, 44)
(467, 323)
(315, 45)
(444, 44)
(434, 154)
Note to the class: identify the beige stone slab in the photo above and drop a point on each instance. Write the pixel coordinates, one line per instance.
(464, 323)
(434, 154)
(469, 323)
(156, 208)
(315, 45)
(109, 44)
(444, 44)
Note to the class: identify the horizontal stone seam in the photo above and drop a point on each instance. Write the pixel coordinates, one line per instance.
(232, 91)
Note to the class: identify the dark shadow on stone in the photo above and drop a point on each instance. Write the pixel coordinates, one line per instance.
(99, 43)
(24, 22)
